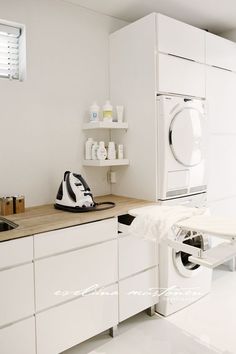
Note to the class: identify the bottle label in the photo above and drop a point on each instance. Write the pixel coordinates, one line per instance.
(107, 114)
(93, 116)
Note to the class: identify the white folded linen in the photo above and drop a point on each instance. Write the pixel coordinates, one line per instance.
(155, 222)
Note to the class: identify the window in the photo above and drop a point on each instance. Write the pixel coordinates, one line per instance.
(10, 52)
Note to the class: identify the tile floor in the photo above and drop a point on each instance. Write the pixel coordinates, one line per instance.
(206, 327)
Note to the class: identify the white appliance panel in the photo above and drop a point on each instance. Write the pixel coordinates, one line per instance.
(182, 140)
(187, 136)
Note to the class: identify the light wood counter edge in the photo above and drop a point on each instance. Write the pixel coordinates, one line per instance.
(44, 218)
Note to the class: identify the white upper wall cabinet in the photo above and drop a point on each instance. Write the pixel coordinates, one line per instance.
(220, 52)
(180, 76)
(178, 38)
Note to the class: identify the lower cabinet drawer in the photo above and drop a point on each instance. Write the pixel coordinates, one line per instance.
(66, 276)
(52, 242)
(144, 251)
(17, 294)
(137, 293)
(69, 324)
(18, 338)
(15, 252)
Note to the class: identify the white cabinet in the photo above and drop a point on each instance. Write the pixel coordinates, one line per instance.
(18, 338)
(76, 287)
(16, 252)
(67, 325)
(17, 293)
(180, 76)
(138, 293)
(220, 52)
(220, 95)
(138, 272)
(71, 286)
(69, 275)
(144, 251)
(178, 38)
(70, 238)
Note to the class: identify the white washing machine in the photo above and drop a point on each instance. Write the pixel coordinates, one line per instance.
(182, 282)
(181, 145)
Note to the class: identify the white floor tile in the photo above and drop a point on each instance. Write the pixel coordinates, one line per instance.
(206, 327)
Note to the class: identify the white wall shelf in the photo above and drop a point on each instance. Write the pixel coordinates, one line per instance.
(107, 163)
(105, 125)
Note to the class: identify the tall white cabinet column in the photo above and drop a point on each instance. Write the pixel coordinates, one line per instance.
(151, 56)
(220, 95)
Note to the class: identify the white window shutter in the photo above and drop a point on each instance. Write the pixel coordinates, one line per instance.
(9, 51)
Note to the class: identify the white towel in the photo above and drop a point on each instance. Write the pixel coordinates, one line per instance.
(154, 222)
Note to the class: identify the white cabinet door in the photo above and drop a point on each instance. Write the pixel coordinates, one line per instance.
(180, 39)
(137, 293)
(220, 52)
(15, 252)
(180, 76)
(18, 338)
(17, 294)
(74, 237)
(67, 325)
(220, 95)
(136, 255)
(68, 275)
(222, 168)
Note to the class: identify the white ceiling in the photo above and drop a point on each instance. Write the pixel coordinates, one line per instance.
(215, 15)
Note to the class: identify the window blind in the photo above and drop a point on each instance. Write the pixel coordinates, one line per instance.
(9, 51)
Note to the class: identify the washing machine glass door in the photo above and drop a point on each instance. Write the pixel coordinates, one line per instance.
(187, 136)
(181, 259)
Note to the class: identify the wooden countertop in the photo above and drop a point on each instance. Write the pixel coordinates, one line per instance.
(44, 218)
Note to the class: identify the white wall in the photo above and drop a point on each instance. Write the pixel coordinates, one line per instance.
(41, 118)
(230, 35)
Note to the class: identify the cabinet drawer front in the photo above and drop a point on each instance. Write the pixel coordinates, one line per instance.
(176, 75)
(74, 237)
(18, 338)
(144, 251)
(220, 52)
(17, 294)
(16, 252)
(136, 294)
(180, 39)
(67, 325)
(65, 276)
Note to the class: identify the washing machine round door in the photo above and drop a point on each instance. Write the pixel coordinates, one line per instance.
(181, 259)
(187, 136)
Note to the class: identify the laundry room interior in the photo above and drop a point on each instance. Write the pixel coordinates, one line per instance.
(117, 190)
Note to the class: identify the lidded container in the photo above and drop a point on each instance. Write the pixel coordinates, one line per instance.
(101, 151)
(111, 151)
(107, 112)
(88, 149)
(94, 113)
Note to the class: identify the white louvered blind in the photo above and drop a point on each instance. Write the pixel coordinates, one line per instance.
(9, 51)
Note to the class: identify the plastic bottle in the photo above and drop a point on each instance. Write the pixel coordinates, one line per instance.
(107, 112)
(94, 113)
(111, 151)
(101, 151)
(120, 151)
(88, 149)
(94, 150)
